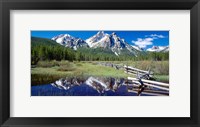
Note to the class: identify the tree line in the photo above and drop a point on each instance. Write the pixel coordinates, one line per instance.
(49, 52)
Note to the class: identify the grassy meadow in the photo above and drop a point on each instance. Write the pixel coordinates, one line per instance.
(48, 71)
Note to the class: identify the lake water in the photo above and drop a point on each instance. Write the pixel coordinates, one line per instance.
(92, 86)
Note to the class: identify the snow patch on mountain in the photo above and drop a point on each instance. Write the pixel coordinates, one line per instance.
(158, 49)
(137, 47)
(116, 54)
(69, 41)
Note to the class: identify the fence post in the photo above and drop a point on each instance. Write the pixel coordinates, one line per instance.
(126, 69)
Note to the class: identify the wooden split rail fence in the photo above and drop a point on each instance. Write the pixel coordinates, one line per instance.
(135, 71)
(143, 79)
(149, 83)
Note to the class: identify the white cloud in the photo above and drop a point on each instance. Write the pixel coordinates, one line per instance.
(148, 40)
(155, 36)
(143, 43)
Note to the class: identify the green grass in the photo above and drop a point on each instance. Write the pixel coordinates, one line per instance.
(87, 69)
(44, 75)
(158, 67)
(90, 69)
(162, 78)
(49, 71)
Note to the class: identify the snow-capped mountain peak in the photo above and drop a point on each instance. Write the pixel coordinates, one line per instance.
(105, 40)
(111, 41)
(100, 33)
(97, 39)
(69, 41)
(100, 40)
(158, 49)
(62, 38)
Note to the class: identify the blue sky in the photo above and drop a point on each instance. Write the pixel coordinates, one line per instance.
(143, 39)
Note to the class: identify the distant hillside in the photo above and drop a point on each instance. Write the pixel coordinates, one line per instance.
(42, 41)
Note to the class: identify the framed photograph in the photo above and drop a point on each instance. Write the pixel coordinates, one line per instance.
(99, 63)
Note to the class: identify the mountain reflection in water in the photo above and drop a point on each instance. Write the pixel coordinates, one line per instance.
(92, 86)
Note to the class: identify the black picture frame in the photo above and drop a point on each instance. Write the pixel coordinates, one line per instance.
(7, 5)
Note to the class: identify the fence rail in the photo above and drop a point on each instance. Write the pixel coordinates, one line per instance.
(143, 84)
(150, 82)
(135, 71)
